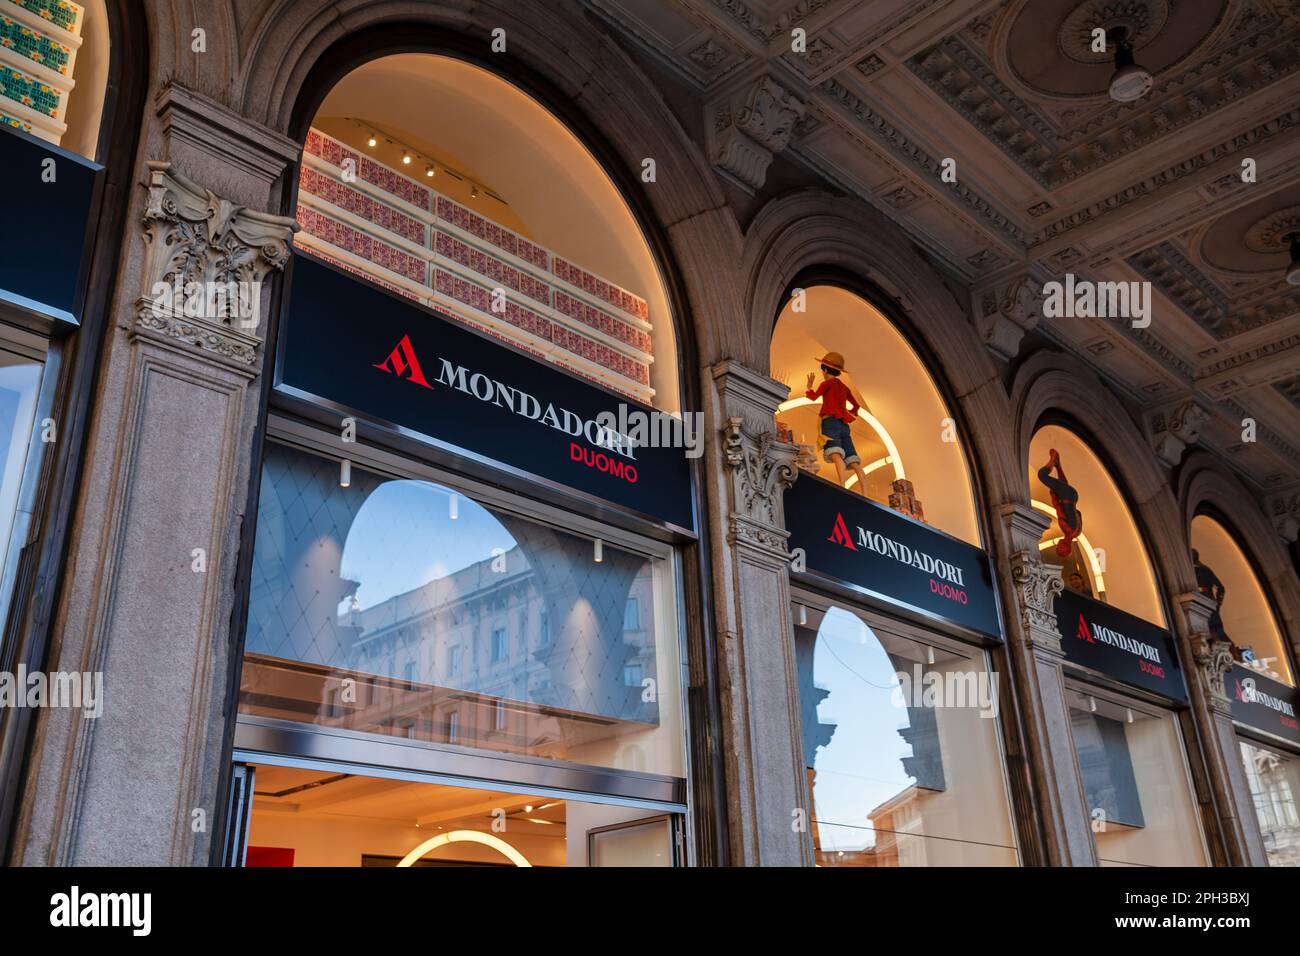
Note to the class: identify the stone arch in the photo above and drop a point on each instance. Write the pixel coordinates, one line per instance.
(1049, 382)
(1204, 484)
(812, 229)
(592, 86)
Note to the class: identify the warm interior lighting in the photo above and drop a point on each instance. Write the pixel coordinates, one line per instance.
(372, 142)
(428, 170)
(465, 836)
(1084, 544)
(893, 456)
(406, 158)
(878, 463)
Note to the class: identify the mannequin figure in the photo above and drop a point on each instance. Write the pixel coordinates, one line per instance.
(1065, 499)
(836, 417)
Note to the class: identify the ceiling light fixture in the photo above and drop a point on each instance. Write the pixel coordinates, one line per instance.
(428, 170)
(1293, 270)
(1130, 82)
(372, 142)
(406, 158)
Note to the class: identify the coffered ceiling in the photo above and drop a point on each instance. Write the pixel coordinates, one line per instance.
(1052, 176)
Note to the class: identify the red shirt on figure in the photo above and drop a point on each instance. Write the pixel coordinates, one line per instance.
(836, 398)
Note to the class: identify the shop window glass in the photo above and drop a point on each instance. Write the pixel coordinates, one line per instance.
(327, 818)
(20, 380)
(1093, 537)
(911, 452)
(1136, 783)
(1244, 616)
(899, 776)
(1274, 780)
(350, 582)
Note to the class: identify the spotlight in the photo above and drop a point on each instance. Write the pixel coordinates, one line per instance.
(406, 158)
(428, 170)
(372, 142)
(1130, 82)
(1293, 270)
(473, 192)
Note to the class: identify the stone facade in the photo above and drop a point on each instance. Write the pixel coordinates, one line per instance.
(175, 434)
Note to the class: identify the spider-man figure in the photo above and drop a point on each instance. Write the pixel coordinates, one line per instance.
(1065, 499)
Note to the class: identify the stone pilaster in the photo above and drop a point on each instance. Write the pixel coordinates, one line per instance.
(1211, 660)
(767, 789)
(1035, 645)
(149, 597)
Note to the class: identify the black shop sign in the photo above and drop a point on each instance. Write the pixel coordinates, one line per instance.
(891, 557)
(1263, 703)
(1119, 645)
(407, 367)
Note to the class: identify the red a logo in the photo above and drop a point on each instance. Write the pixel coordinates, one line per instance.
(405, 363)
(1084, 633)
(840, 533)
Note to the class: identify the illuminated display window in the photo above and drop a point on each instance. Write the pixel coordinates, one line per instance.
(1093, 537)
(902, 433)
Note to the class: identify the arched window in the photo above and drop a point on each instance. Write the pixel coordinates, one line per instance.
(449, 185)
(904, 435)
(1106, 559)
(1225, 574)
(54, 59)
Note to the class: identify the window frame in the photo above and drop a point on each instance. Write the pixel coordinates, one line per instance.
(931, 636)
(289, 743)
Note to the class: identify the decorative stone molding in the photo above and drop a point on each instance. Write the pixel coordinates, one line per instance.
(195, 236)
(1284, 509)
(1037, 583)
(1212, 655)
(1007, 311)
(762, 467)
(750, 125)
(1174, 428)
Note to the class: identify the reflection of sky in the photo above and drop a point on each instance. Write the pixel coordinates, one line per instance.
(404, 536)
(861, 767)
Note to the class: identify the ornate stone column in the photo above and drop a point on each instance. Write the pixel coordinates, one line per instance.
(1235, 807)
(149, 596)
(766, 786)
(1035, 648)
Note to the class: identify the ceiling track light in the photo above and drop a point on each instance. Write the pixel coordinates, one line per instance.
(1293, 270)
(1130, 81)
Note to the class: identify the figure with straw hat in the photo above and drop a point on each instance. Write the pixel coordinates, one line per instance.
(836, 417)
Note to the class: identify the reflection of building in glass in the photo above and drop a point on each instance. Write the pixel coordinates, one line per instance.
(535, 648)
(1275, 803)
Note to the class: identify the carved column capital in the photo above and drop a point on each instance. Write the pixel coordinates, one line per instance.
(1174, 427)
(762, 467)
(206, 261)
(1284, 509)
(1212, 655)
(1006, 311)
(1037, 583)
(748, 125)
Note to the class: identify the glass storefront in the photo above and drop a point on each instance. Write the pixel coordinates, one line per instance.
(330, 818)
(21, 368)
(901, 743)
(407, 608)
(1274, 780)
(1136, 781)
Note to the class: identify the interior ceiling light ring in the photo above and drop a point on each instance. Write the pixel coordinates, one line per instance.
(1130, 81)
